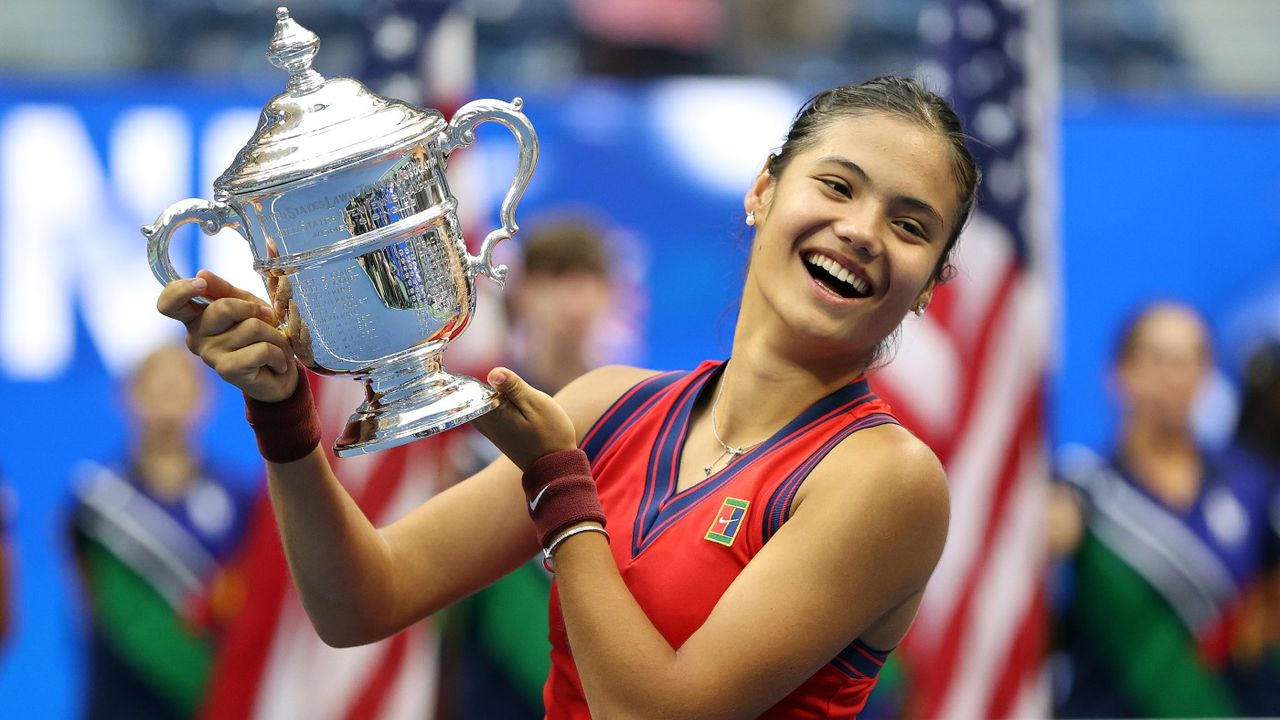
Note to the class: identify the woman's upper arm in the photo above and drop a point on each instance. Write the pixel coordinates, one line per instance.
(479, 529)
(864, 541)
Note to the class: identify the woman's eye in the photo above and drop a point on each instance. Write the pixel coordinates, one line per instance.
(913, 228)
(839, 187)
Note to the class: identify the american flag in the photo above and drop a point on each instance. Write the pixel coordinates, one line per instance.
(970, 377)
(272, 663)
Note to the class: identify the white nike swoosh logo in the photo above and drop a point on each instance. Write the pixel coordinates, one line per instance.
(533, 504)
(724, 521)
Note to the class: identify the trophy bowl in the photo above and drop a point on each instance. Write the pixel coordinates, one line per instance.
(343, 198)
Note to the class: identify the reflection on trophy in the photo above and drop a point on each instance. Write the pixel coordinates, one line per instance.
(343, 198)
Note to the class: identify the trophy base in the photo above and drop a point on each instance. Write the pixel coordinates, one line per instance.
(404, 406)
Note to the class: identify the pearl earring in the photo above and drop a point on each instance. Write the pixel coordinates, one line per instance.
(751, 218)
(919, 310)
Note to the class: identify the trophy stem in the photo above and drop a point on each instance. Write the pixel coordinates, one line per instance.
(412, 397)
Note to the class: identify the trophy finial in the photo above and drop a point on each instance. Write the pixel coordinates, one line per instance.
(292, 48)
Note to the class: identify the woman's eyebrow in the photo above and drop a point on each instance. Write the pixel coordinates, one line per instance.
(857, 171)
(921, 205)
(847, 164)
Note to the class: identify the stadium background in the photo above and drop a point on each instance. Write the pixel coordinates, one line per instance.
(1169, 184)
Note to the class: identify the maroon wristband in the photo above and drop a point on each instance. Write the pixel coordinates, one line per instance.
(287, 430)
(561, 492)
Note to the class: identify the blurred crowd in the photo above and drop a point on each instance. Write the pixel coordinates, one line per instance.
(1111, 45)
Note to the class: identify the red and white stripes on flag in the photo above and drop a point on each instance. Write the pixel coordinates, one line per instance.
(272, 663)
(975, 650)
(970, 377)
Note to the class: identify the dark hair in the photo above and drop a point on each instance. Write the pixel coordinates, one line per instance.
(1258, 425)
(566, 246)
(902, 98)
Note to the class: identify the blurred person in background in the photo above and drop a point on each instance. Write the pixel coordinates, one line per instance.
(152, 535)
(558, 308)
(1163, 538)
(1255, 450)
(1258, 429)
(497, 651)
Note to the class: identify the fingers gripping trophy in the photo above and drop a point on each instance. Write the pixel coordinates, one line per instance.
(343, 198)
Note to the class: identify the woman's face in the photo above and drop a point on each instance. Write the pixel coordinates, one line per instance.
(849, 234)
(1165, 366)
(167, 391)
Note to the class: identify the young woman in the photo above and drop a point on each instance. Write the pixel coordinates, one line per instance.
(770, 526)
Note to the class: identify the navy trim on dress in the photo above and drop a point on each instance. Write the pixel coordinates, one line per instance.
(661, 506)
(624, 411)
(860, 661)
(670, 439)
(779, 507)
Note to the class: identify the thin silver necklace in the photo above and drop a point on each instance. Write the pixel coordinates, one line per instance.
(730, 451)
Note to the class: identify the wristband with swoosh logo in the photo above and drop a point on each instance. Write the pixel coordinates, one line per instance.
(560, 492)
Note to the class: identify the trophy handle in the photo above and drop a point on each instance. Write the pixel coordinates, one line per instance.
(212, 216)
(461, 133)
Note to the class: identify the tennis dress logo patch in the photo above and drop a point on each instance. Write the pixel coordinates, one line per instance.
(724, 529)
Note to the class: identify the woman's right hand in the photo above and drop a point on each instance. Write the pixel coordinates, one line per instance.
(235, 334)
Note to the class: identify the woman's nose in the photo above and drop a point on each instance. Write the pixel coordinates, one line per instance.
(860, 228)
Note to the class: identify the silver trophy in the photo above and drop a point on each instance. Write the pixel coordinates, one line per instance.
(343, 198)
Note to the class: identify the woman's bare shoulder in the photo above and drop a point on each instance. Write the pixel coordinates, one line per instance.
(891, 445)
(586, 398)
(886, 469)
(875, 512)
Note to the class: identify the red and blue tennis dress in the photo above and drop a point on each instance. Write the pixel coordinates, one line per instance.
(679, 552)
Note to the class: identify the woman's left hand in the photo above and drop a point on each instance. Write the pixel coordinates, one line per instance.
(528, 424)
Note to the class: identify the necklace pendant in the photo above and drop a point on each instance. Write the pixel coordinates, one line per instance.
(706, 471)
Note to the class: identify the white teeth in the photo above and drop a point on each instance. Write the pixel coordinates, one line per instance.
(838, 272)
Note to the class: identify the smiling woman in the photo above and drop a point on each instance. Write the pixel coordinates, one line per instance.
(771, 527)
(884, 166)
(857, 202)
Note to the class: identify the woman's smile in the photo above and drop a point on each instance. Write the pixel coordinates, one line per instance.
(837, 276)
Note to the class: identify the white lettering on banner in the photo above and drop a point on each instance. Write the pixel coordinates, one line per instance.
(69, 231)
(67, 234)
(227, 253)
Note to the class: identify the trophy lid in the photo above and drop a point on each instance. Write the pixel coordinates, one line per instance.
(317, 125)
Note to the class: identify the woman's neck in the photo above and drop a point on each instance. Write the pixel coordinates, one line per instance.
(1164, 460)
(767, 383)
(165, 464)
